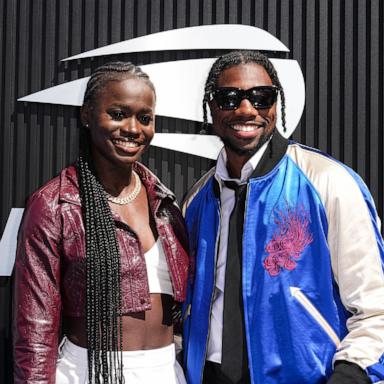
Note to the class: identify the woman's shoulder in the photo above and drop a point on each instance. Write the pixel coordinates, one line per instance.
(43, 204)
(49, 193)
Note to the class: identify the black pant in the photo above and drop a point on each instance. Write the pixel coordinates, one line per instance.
(213, 375)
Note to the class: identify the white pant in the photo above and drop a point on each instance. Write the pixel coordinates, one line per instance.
(150, 366)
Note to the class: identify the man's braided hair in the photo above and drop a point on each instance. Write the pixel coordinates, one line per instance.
(103, 292)
(233, 59)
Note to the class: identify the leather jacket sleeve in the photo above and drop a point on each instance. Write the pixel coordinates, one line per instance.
(37, 302)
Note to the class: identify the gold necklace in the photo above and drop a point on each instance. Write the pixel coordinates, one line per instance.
(127, 199)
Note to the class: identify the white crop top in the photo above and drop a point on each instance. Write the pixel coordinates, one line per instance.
(159, 280)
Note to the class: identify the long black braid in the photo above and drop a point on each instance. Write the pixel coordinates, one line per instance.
(103, 292)
(232, 59)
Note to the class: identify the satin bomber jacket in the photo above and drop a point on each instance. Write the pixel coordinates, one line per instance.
(50, 267)
(312, 269)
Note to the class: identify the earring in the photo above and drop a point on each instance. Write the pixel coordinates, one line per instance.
(86, 125)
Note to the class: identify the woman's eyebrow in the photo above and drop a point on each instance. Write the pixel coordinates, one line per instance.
(126, 106)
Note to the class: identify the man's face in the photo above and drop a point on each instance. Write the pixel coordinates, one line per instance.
(245, 129)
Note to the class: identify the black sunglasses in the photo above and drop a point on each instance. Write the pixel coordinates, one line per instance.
(229, 98)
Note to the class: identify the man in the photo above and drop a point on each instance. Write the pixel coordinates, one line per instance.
(287, 281)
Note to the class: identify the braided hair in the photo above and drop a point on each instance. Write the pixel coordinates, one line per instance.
(233, 59)
(103, 292)
(114, 71)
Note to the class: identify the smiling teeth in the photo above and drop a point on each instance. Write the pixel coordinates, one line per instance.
(125, 143)
(244, 128)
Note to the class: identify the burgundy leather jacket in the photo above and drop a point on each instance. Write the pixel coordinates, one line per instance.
(50, 267)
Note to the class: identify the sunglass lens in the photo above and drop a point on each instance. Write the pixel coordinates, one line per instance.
(262, 97)
(227, 98)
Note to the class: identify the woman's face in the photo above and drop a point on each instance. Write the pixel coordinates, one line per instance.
(121, 121)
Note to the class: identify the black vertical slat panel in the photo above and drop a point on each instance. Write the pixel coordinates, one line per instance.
(271, 17)
(34, 148)
(220, 11)
(61, 144)
(35, 128)
(285, 23)
(76, 27)
(373, 121)
(141, 18)
(381, 110)
(322, 83)
(8, 44)
(62, 36)
(193, 12)
(336, 89)
(46, 144)
(233, 12)
(89, 25)
(2, 72)
(168, 11)
(375, 150)
(361, 97)
(156, 22)
(51, 135)
(73, 26)
(245, 13)
(48, 58)
(329, 96)
(297, 53)
(259, 14)
(181, 13)
(3, 206)
(7, 124)
(128, 15)
(103, 24)
(311, 70)
(4, 290)
(21, 90)
(206, 11)
(181, 161)
(349, 112)
(116, 21)
(36, 44)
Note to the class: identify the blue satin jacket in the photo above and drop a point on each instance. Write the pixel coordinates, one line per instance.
(312, 269)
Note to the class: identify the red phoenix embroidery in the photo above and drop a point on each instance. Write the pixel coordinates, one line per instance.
(289, 240)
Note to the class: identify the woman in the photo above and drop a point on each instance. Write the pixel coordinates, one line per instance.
(102, 246)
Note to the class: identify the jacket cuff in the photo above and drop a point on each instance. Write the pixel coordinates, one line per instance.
(348, 373)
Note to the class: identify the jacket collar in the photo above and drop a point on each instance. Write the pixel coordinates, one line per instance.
(275, 151)
(69, 185)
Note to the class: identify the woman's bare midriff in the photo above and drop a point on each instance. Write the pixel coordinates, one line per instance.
(141, 331)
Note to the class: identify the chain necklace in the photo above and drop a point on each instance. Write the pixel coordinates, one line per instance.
(127, 199)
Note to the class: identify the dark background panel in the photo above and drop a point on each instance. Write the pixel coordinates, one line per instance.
(338, 44)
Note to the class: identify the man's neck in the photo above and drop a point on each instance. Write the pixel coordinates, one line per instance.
(235, 164)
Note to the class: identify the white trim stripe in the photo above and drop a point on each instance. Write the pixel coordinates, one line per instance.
(317, 316)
